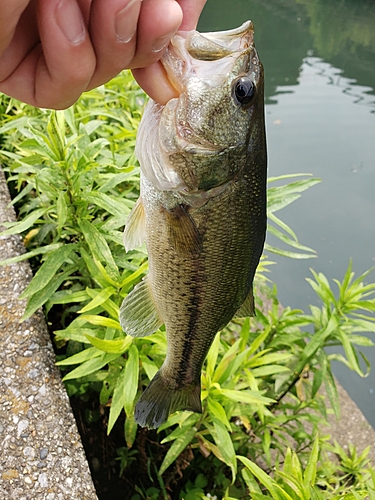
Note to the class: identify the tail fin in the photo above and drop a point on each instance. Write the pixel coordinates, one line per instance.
(159, 400)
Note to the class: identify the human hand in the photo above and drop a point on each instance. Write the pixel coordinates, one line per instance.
(153, 78)
(53, 50)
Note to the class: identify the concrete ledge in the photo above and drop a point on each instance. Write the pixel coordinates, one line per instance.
(352, 428)
(41, 455)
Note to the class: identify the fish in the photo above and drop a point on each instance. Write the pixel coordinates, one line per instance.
(201, 210)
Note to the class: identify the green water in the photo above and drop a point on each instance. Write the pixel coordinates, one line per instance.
(319, 58)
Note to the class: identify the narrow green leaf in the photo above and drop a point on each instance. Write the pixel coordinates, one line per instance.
(131, 378)
(212, 356)
(98, 246)
(40, 298)
(332, 393)
(310, 471)
(109, 306)
(23, 225)
(251, 483)
(246, 396)
(130, 430)
(226, 360)
(114, 206)
(48, 270)
(129, 280)
(126, 388)
(176, 449)
(80, 357)
(287, 253)
(62, 211)
(117, 346)
(350, 353)
(74, 333)
(26, 190)
(99, 299)
(265, 371)
(224, 443)
(288, 241)
(317, 341)
(288, 468)
(283, 225)
(109, 277)
(181, 428)
(56, 133)
(93, 269)
(231, 366)
(319, 373)
(266, 480)
(32, 253)
(259, 340)
(68, 297)
(264, 358)
(266, 443)
(218, 412)
(149, 366)
(315, 494)
(94, 319)
(292, 485)
(288, 176)
(90, 366)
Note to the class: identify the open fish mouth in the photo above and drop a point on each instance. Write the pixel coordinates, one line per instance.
(190, 52)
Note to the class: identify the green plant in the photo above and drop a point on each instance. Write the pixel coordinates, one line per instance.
(76, 180)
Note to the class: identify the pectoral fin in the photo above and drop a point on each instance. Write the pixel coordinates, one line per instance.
(248, 307)
(138, 314)
(183, 233)
(135, 230)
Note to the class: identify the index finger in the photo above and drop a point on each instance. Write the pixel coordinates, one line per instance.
(10, 14)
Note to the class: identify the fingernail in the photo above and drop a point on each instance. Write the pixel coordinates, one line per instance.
(126, 21)
(70, 20)
(160, 43)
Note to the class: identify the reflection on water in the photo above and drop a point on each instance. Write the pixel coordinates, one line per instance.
(326, 125)
(319, 58)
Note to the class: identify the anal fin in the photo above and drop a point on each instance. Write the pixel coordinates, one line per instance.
(183, 233)
(135, 230)
(248, 307)
(138, 314)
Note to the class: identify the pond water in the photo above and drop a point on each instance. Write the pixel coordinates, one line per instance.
(319, 58)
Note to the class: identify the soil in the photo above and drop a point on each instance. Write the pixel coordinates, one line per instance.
(103, 459)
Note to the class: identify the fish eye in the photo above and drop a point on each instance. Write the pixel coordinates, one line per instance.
(244, 90)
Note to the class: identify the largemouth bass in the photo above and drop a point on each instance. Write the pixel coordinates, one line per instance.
(201, 211)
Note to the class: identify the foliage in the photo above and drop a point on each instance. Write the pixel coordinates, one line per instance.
(76, 180)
